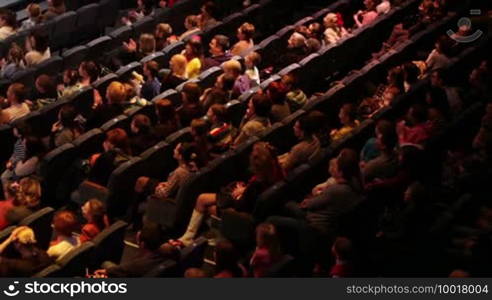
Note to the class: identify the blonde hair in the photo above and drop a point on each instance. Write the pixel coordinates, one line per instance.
(147, 43)
(178, 64)
(29, 193)
(248, 30)
(165, 28)
(116, 92)
(25, 235)
(232, 65)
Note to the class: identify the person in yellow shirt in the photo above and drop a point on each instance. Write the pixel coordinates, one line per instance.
(347, 117)
(194, 55)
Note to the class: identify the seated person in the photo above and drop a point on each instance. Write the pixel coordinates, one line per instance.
(67, 128)
(64, 225)
(267, 251)
(94, 213)
(367, 16)
(116, 152)
(152, 86)
(219, 51)
(26, 201)
(191, 107)
(245, 34)
(16, 97)
(222, 132)
(276, 92)
(38, 50)
(296, 98)
(238, 195)
(111, 106)
(191, 25)
(343, 252)
(415, 129)
(177, 74)
(256, 119)
(142, 136)
(347, 117)
(8, 22)
(167, 119)
(334, 31)
(13, 62)
(27, 258)
(55, 8)
(208, 15)
(35, 17)
(308, 147)
(194, 57)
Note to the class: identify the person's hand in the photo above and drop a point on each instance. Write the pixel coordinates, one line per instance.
(56, 126)
(238, 190)
(97, 99)
(131, 46)
(101, 273)
(317, 190)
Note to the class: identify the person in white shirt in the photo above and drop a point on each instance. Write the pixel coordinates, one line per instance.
(384, 7)
(64, 224)
(16, 95)
(8, 20)
(333, 31)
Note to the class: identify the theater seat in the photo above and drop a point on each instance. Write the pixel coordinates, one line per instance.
(98, 47)
(171, 95)
(63, 31)
(209, 76)
(169, 51)
(120, 35)
(74, 263)
(167, 269)
(158, 161)
(125, 73)
(235, 111)
(102, 83)
(52, 66)
(144, 25)
(5, 233)
(283, 268)
(108, 13)
(48, 272)
(86, 25)
(89, 143)
(120, 121)
(73, 57)
(40, 222)
(158, 57)
(192, 255)
(109, 244)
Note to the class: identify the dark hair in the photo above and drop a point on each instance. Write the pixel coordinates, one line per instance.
(389, 137)
(47, 83)
(308, 124)
(211, 9)
(189, 153)
(19, 91)
(153, 67)
(228, 81)
(91, 68)
(98, 212)
(118, 138)
(34, 147)
(411, 72)
(164, 109)
(227, 258)
(277, 92)
(151, 235)
(9, 16)
(222, 41)
(200, 126)
(445, 44)
(73, 76)
(57, 3)
(215, 96)
(142, 122)
(67, 116)
(192, 91)
(262, 105)
(348, 164)
(41, 40)
(220, 112)
(196, 46)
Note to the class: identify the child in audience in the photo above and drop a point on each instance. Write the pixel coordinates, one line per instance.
(347, 118)
(34, 12)
(267, 251)
(252, 61)
(95, 214)
(64, 225)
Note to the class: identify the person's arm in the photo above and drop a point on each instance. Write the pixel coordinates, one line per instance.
(166, 189)
(318, 201)
(26, 168)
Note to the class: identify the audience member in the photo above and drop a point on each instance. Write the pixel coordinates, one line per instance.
(256, 119)
(8, 20)
(64, 225)
(267, 251)
(245, 34)
(94, 213)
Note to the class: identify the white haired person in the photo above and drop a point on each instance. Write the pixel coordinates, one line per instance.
(334, 30)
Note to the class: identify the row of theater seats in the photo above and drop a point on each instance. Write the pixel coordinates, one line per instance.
(90, 142)
(230, 166)
(240, 227)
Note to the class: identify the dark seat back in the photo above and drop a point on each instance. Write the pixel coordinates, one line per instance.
(40, 223)
(109, 244)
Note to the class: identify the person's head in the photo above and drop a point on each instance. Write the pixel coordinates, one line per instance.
(191, 22)
(276, 91)
(16, 54)
(386, 136)
(215, 96)
(225, 82)
(163, 31)
(186, 153)
(444, 44)
(65, 223)
(116, 93)
(199, 128)
(34, 11)
(140, 124)
(415, 193)
(116, 138)
(296, 40)
(94, 212)
(411, 72)
(209, 10)
(89, 70)
(246, 32)
(305, 127)
(395, 77)
(417, 114)
(67, 116)
(347, 164)
(147, 43)
(290, 81)
(164, 109)
(217, 113)
(347, 114)
(7, 18)
(252, 60)
(312, 45)
(39, 41)
(219, 45)
(56, 3)
(342, 249)
(23, 237)
(16, 93)
(45, 84)
(150, 236)
(34, 147)
(330, 20)
(437, 78)
(370, 4)
(226, 257)
(267, 237)
(28, 193)
(315, 30)
(260, 105)
(194, 48)
(191, 93)
(232, 67)
(263, 163)
(151, 69)
(178, 65)
(195, 273)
